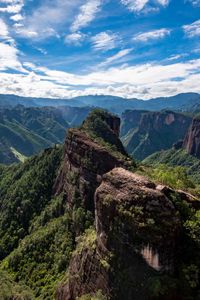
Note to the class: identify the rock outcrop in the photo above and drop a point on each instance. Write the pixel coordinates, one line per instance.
(192, 139)
(133, 219)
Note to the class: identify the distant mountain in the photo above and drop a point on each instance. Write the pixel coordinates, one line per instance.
(25, 131)
(117, 105)
(155, 131)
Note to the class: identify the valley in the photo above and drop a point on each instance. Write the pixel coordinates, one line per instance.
(74, 216)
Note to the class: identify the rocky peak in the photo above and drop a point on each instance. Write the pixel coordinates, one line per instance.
(192, 139)
(112, 121)
(89, 152)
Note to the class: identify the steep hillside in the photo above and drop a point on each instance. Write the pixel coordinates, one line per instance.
(81, 224)
(156, 131)
(37, 228)
(26, 131)
(174, 157)
(130, 121)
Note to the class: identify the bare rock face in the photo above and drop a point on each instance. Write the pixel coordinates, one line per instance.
(87, 273)
(140, 210)
(137, 232)
(192, 139)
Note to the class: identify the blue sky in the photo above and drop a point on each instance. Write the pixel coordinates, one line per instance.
(128, 48)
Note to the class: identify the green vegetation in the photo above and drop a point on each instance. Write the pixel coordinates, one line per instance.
(42, 257)
(88, 239)
(18, 155)
(11, 290)
(175, 177)
(97, 296)
(98, 128)
(37, 233)
(26, 131)
(173, 157)
(166, 166)
(25, 190)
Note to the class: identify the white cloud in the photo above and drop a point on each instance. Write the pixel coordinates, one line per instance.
(87, 14)
(141, 81)
(104, 41)
(9, 58)
(175, 57)
(8, 51)
(151, 35)
(163, 2)
(49, 18)
(12, 7)
(137, 6)
(27, 33)
(195, 2)
(115, 58)
(74, 38)
(4, 34)
(192, 30)
(16, 18)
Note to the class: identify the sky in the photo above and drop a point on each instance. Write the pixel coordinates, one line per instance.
(128, 48)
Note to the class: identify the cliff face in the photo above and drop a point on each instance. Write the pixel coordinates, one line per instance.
(156, 131)
(130, 120)
(136, 239)
(192, 139)
(86, 160)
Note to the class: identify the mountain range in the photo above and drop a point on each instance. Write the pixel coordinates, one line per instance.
(183, 102)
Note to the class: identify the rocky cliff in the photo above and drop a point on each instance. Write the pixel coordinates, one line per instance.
(130, 120)
(90, 152)
(136, 239)
(156, 131)
(192, 139)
